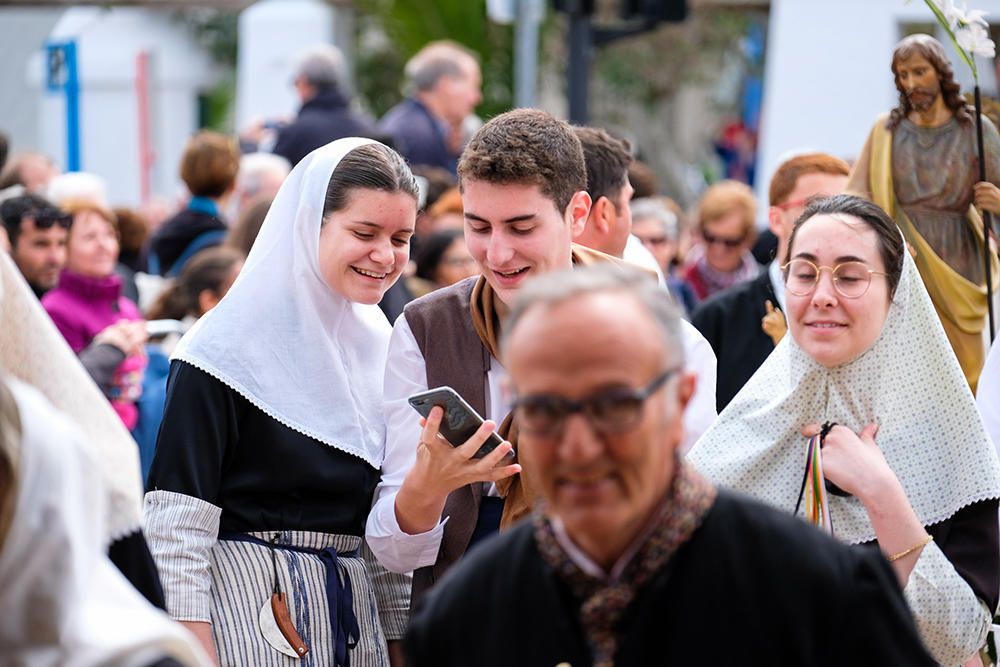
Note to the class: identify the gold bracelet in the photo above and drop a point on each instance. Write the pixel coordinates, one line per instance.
(919, 545)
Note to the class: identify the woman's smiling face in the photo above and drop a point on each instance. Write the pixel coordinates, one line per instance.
(831, 328)
(364, 247)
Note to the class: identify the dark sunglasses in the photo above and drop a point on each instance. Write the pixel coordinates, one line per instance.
(608, 412)
(44, 219)
(712, 239)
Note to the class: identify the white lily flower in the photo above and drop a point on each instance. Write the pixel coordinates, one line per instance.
(952, 14)
(966, 16)
(974, 38)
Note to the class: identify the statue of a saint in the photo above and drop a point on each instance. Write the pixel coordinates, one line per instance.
(921, 165)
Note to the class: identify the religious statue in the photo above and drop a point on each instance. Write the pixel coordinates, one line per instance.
(920, 163)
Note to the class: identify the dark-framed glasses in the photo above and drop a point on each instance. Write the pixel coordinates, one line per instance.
(850, 279)
(609, 412)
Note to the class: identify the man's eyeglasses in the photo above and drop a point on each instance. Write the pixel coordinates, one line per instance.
(712, 239)
(44, 219)
(850, 279)
(653, 240)
(608, 412)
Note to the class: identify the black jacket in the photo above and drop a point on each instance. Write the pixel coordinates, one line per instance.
(731, 323)
(172, 239)
(324, 118)
(753, 586)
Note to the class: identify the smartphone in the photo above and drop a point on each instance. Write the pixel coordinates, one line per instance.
(460, 420)
(156, 328)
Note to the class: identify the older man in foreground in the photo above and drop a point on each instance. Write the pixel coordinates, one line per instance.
(633, 558)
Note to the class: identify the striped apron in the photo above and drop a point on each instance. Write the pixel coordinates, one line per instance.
(242, 581)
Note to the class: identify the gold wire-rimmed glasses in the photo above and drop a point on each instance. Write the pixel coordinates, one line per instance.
(850, 279)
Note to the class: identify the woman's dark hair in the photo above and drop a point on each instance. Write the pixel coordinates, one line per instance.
(207, 270)
(369, 167)
(890, 239)
(432, 250)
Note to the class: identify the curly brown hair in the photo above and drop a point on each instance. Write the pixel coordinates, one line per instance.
(529, 147)
(933, 52)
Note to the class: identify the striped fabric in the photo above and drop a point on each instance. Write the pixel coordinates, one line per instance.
(233, 580)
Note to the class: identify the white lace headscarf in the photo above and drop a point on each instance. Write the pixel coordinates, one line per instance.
(908, 382)
(33, 350)
(282, 339)
(64, 603)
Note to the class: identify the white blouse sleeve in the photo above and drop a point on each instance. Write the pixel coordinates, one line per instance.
(181, 531)
(952, 621)
(405, 375)
(699, 358)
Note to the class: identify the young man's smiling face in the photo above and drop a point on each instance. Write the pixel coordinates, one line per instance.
(514, 232)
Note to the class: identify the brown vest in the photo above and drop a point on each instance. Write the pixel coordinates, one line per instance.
(455, 356)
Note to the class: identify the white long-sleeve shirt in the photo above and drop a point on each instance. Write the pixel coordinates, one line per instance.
(406, 375)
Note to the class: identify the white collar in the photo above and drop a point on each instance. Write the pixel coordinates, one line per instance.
(587, 564)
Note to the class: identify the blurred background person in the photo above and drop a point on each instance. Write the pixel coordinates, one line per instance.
(133, 229)
(259, 177)
(434, 182)
(443, 82)
(87, 306)
(242, 235)
(78, 188)
(326, 113)
(208, 167)
(443, 260)
(643, 180)
(200, 286)
(657, 227)
(37, 231)
(726, 218)
(446, 212)
(29, 169)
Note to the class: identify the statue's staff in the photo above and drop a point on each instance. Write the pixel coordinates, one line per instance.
(987, 216)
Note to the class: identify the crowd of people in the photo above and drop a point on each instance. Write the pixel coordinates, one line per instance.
(673, 391)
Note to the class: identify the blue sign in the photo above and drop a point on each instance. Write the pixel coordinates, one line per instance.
(62, 75)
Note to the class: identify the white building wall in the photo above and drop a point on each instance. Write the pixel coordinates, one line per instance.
(108, 44)
(827, 74)
(273, 35)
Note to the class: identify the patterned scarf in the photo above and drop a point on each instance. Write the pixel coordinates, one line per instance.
(602, 603)
(516, 491)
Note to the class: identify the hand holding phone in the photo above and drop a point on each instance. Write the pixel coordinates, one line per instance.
(460, 420)
(478, 456)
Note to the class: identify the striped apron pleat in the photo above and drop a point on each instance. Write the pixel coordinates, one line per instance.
(242, 581)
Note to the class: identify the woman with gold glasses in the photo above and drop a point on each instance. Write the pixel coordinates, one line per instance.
(901, 461)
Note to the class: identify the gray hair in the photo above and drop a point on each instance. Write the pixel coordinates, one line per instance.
(322, 67)
(254, 167)
(434, 61)
(555, 288)
(649, 207)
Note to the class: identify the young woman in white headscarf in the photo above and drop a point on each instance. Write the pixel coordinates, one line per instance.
(867, 383)
(272, 435)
